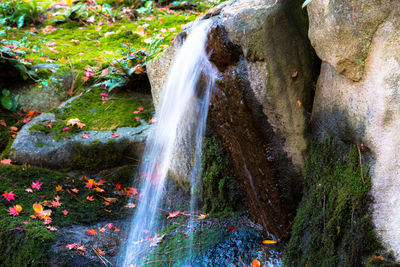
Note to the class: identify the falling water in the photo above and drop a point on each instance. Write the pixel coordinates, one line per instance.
(183, 104)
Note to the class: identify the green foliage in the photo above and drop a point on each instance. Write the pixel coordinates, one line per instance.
(18, 13)
(220, 192)
(333, 226)
(7, 101)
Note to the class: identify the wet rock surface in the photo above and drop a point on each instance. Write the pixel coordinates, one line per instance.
(261, 104)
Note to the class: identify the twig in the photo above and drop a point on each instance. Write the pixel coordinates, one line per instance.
(359, 156)
(323, 211)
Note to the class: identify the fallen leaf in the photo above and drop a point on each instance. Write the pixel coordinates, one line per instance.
(173, 214)
(13, 128)
(115, 135)
(104, 72)
(294, 74)
(5, 161)
(202, 216)
(130, 205)
(36, 185)
(9, 195)
(153, 242)
(100, 252)
(102, 229)
(65, 212)
(71, 246)
(90, 198)
(63, 60)
(110, 225)
(118, 186)
(298, 103)
(91, 232)
(140, 31)
(255, 263)
(265, 242)
(29, 190)
(58, 188)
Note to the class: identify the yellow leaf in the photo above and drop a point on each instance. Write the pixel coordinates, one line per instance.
(269, 242)
(63, 60)
(69, 3)
(140, 31)
(18, 208)
(37, 207)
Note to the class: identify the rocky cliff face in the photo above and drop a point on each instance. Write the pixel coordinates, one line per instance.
(261, 103)
(357, 97)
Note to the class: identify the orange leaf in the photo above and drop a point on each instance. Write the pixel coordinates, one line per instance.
(173, 214)
(98, 189)
(3, 123)
(13, 128)
(91, 232)
(75, 190)
(140, 31)
(90, 198)
(255, 263)
(265, 242)
(63, 60)
(294, 74)
(37, 207)
(58, 188)
(98, 251)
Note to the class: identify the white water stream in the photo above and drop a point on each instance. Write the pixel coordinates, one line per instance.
(183, 104)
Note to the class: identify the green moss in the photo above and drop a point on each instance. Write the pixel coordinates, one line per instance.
(24, 245)
(81, 211)
(100, 156)
(177, 244)
(333, 226)
(98, 115)
(220, 192)
(28, 244)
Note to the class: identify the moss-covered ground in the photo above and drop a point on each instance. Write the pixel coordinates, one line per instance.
(25, 241)
(333, 224)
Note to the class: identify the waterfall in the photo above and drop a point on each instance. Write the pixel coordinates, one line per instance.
(183, 104)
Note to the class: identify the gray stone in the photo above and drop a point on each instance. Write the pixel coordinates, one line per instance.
(365, 109)
(40, 149)
(342, 34)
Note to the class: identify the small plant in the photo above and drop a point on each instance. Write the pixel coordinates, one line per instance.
(7, 101)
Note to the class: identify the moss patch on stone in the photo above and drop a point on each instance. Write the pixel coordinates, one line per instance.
(220, 191)
(97, 114)
(333, 226)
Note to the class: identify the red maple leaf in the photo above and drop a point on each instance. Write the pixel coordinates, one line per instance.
(36, 185)
(9, 195)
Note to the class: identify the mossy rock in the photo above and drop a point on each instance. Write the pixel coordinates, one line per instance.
(220, 191)
(333, 224)
(111, 135)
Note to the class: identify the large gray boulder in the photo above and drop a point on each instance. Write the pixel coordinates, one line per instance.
(342, 31)
(262, 99)
(92, 154)
(359, 103)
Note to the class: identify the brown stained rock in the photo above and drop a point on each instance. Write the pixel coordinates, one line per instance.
(259, 161)
(221, 50)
